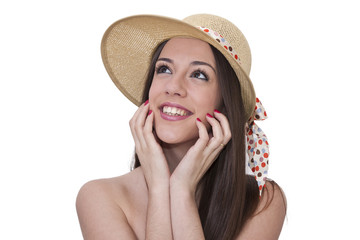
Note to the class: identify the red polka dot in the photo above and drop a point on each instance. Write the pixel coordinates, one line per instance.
(263, 164)
(249, 147)
(236, 57)
(260, 187)
(225, 47)
(253, 169)
(266, 155)
(206, 30)
(257, 168)
(260, 141)
(257, 100)
(265, 113)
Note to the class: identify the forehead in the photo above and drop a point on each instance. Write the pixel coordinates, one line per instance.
(188, 48)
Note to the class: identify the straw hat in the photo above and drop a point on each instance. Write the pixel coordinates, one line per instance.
(128, 45)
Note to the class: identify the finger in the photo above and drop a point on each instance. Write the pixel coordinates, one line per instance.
(217, 132)
(206, 144)
(203, 135)
(148, 130)
(224, 125)
(141, 115)
(133, 120)
(132, 125)
(138, 111)
(137, 124)
(198, 148)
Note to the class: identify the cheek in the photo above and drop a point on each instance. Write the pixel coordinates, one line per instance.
(208, 101)
(153, 91)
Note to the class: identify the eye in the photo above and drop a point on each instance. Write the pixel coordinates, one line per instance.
(200, 75)
(162, 69)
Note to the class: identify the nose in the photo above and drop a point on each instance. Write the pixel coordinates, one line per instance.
(176, 86)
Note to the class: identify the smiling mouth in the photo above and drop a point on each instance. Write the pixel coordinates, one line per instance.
(174, 111)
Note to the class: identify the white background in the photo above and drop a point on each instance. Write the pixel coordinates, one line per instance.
(63, 122)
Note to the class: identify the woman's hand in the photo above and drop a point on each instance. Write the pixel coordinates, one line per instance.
(150, 153)
(202, 154)
(156, 172)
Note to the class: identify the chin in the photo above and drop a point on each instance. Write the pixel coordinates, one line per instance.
(168, 137)
(171, 136)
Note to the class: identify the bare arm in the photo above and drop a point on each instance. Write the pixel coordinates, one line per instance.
(267, 224)
(185, 216)
(99, 216)
(156, 174)
(158, 223)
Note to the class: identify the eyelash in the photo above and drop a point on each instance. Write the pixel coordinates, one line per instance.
(198, 71)
(160, 67)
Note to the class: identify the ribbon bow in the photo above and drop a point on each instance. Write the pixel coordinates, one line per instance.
(258, 146)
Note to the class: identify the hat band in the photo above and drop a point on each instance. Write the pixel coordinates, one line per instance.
(222, 41)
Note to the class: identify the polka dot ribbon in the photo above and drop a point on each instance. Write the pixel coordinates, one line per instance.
(222, 41)
(258, 146)
(257, 143)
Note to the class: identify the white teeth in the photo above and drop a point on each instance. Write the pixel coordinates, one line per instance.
(173, 111)
(180, 112)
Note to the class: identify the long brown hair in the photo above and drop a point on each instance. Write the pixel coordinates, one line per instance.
(228, 197)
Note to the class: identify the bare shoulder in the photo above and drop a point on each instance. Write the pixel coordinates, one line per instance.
(106, 207)
(269, 217)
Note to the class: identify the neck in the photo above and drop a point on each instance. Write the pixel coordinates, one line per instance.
(175, 152)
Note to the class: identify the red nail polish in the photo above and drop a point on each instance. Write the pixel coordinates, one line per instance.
(209, 115)
(217, 111)
(149, 112)
(198, 119)
(146, 102)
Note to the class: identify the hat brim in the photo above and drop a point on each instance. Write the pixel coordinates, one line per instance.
(128, 45)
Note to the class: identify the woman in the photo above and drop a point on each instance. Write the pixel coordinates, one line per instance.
(189, 179)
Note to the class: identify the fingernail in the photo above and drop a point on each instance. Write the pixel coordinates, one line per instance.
(146, 102)
(149, 112)
(198, 119)
(217, 111)
(209, 115)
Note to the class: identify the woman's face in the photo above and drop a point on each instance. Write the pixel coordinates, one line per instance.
(185, 87)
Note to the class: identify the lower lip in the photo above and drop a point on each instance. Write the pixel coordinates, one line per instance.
(172, 118)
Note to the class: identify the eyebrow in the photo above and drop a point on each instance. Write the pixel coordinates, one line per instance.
(165, 60)
(195, 63)
(203, 63)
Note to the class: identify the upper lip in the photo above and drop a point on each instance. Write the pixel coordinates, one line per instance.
(170, 104)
